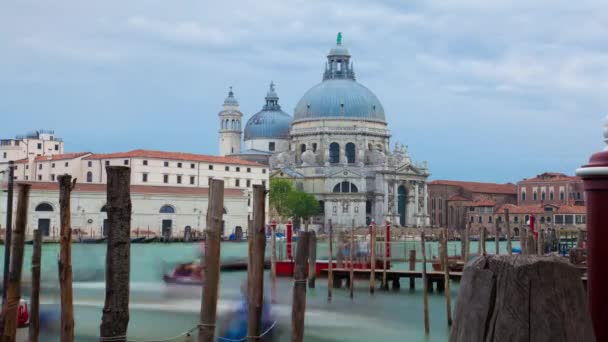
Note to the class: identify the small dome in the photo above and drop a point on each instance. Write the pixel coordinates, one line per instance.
(269, 123)
(230, 99)
(339, 98)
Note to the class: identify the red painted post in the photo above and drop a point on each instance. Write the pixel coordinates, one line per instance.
(289, 237)
(595, 178)
(532, 226)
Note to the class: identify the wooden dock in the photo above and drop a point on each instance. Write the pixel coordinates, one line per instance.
(435, 279)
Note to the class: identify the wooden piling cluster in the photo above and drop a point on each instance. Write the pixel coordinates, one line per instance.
(256, 273)
(66, 185)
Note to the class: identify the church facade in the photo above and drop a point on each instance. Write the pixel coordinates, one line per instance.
(336, 146)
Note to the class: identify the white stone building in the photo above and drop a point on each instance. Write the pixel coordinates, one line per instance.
(169, 189)
(337, 147)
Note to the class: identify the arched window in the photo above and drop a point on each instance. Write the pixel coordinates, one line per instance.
(350, 153)
(543, 196)
(89, 177)
(334, 152)
(345, 187)
(551, 196)
(167, 209)
(302, 148)
(535, 195)
(523, 196)
(44, 207)
(561, 195)
(527, 218)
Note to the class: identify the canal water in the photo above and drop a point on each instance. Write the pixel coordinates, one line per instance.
(159, 312)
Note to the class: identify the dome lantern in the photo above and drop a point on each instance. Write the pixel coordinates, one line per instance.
(337, 66)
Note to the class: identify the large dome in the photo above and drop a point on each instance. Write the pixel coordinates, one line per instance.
(339, 98)
(339, 95)
(269, 123)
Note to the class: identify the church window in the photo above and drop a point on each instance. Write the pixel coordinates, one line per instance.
(271, 146)
(89, 177)
(334, 152)
(350, 153)
(314, 147)
(345, 187)
(302, 148)
(167, 209)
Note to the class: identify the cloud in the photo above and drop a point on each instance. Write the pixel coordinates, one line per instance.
(190, 32)
(73, 50)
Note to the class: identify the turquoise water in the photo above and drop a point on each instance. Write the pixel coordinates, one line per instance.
(158, 311)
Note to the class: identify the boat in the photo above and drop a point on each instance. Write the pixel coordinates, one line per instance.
(138, 239)
(186, 274)
(150, 239)
(92, 240)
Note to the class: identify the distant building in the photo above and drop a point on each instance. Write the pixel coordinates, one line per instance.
(30, 146)
(169, 189)
(546, 216)
(551, 188)
(454, 203)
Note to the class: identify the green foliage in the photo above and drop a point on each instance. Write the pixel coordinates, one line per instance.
(302, 205)
(279, 191)
(287, 201)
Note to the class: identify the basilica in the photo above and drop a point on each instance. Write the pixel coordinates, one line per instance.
(335, 146)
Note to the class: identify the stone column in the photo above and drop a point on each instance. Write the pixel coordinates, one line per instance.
(343, 160)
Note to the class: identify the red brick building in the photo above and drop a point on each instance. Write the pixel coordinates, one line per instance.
(452, 203)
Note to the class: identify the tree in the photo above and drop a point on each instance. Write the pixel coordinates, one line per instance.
(302, 205)
(279, 191)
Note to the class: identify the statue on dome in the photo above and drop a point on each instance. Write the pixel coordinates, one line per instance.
(339, 38)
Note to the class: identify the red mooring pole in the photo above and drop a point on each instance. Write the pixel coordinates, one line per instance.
(388, 240)
(289, 237)
(595, 177)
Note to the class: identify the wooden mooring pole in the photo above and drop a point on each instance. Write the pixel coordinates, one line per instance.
(312, 259)
(352, 260)
(215, 212)
(467, 235)
(298, 308)
(256, 284)
(496, 237)
(115, 317)
(509, 246)
(66, 185)
(13, 290)
(34, 328)
(482, 240)
(425, 290)
(372, 253)
(446, 270)
(330, 266)
(412, 258)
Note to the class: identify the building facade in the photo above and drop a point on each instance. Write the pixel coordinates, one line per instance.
(454, 203)
(169, 188)
(551, 188)
(337, 147)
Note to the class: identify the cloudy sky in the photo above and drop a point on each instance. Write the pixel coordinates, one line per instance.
(489, 90)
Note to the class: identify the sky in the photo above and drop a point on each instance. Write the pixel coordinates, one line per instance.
(484, 90)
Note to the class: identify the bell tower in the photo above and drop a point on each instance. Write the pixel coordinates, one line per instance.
(230, 126)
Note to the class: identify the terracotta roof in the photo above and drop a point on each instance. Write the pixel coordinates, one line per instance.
(21, 161)
(458, 198)
(173, 156)
(135, 189)
(489, 188)
(483, 203)
(534, 209)
(62, 156)
(551, 177)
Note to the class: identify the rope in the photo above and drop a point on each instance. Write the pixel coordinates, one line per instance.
(187, 333)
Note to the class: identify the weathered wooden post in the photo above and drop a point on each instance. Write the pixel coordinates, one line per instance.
(425, 290)
(523, 240)
(256, 284)
(387, 239)
(352, 260)
(497, 237)
(372, 253)
(580, 238)
(482, 240)
(115, 317)
(330, 266)
(541, 242)
(526, 298)
(298, 308)
(508, 223)
(531, 244)
(215, 212)
(412, 259)
(273, 262)
(34, 328)
(65, 258)
(467, 234)
(13, 290)
(312, 259)
(446, 270)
